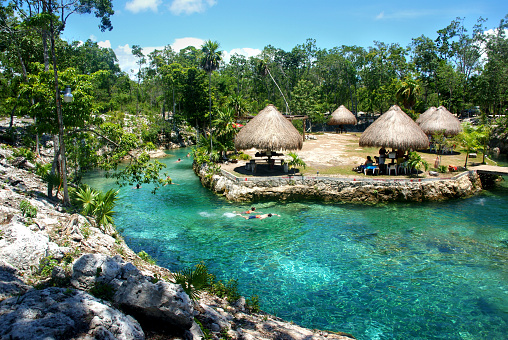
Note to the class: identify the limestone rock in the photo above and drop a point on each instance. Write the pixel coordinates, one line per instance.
(22, 248)
(162, 302)
(58, 313)
(10, 284)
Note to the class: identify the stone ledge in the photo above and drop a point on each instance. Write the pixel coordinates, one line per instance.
(367, 190)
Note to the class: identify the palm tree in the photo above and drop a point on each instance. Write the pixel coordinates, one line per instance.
(210, 62)
(408, 92)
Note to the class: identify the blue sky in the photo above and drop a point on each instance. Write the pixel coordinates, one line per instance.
(247, 26)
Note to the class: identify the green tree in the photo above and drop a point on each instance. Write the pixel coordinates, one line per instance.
(408, 91)
(141, 60)
(306, 101)
(210, 62)
(470, 138)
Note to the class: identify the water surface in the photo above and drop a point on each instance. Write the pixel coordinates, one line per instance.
(393, 271)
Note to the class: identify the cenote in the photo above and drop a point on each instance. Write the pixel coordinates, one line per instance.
(391, 271)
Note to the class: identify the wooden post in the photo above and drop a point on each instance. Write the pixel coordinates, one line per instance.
(304, 129)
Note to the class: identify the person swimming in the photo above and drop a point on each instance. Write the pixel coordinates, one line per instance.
(250, 211)
(261, 217)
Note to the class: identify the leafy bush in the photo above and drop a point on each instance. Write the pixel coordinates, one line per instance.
(27, 209)
(42, 170)
(46, 266)
(145, 257)
(25, 153)
(228, 290)
(253, 304)
(102, 291)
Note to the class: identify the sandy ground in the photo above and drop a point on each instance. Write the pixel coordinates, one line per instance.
(331, 150)
(328, 149)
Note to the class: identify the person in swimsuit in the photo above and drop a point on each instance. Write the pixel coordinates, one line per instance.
(261, 217)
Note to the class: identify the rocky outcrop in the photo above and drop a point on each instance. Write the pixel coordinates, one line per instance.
(159, 302)
(499, 140)
(341, 189)
(59, 313)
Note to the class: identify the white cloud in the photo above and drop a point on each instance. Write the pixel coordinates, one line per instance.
(246, 51)
(180, 43)
(128, 64)
(136, 6)
(178, 7)
(406, 14)
(126, 60)
(104, 44)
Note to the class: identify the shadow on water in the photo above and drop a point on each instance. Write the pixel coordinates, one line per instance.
(393, 271)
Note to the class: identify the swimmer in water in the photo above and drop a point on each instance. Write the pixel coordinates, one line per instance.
(261, 217)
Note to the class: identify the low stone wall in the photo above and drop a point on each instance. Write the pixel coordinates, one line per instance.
(369, 190)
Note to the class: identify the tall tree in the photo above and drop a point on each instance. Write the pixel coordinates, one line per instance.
(138, 53)
(210, 62)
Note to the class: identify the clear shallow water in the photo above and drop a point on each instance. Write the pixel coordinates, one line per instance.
(395, 271)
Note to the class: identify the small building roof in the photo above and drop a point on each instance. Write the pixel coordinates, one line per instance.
(269, 130)
(396, 130)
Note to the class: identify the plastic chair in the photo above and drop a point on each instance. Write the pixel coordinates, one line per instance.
(392, 167)
(404, 167)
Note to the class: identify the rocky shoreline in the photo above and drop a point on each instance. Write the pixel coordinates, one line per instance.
(64, 278)
(332, 189)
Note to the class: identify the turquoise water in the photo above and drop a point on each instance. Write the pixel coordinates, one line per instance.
(394, 271)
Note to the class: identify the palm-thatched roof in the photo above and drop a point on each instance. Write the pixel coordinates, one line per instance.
(441, 120)
(269, 130)
(423, 117)
(396, 130)
(342, 116)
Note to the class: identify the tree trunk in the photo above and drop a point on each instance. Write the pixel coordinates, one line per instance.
(63, 165)
(210, 108)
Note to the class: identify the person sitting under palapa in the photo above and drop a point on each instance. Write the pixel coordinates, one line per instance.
(368, 162)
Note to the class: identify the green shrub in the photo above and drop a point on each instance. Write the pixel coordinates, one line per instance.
(443, 169)
(25, 153)
(228, 290)
(42, 170)
(102, 291)
(253, 304)
(27, 209)
(145, 257)
(46, 266)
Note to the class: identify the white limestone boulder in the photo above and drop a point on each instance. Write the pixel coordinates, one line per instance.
(58, 313)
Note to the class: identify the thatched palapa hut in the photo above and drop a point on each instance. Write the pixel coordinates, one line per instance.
(396, 130)
(342, 116)
(269, 130)
(424, 116)
(441, 120)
